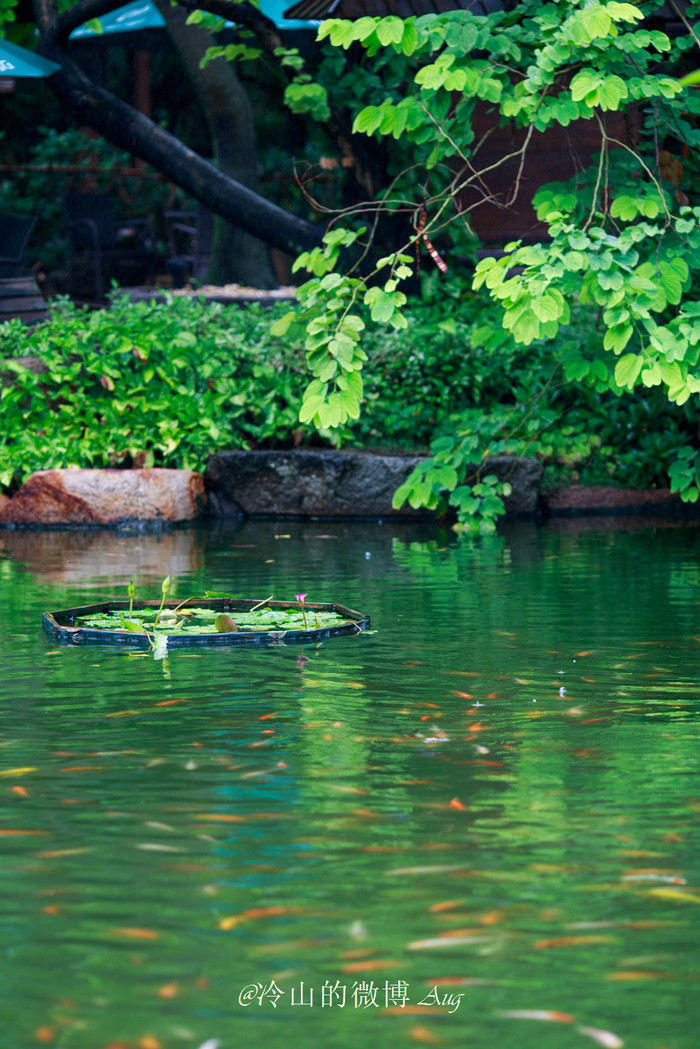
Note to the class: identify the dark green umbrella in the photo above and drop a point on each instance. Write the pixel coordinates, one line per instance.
(18, 62)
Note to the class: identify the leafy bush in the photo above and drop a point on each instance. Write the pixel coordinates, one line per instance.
(455, 379)
(168, 384)
(144, 384)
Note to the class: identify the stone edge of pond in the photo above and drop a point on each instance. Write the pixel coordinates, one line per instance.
(292, 484)
(349, 484)
(608, 501)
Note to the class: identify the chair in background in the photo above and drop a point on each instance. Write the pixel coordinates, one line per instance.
(95, 235)
(15, 231)
(190, 239)
(21, 297)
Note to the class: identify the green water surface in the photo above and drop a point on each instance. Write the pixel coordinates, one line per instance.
(477, 827)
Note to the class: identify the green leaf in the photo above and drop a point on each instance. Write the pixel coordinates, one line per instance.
(612, 91)
(308, 98)
(674, 275)
(350, 403)
(621, 12)
(328, 370)
(617, 338)
(309, 408)
(132, 626)
(383, 303)
(548, 307)
(364, 28)
(625, 207)
(400, 495)
(409, 41)
(390, 30)
(596, 89)
(584, 83)
(432, 77)
(368, 120)
(628, 369)
(339, 30)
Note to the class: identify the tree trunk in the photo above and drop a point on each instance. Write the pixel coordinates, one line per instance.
(236, 256)
(130, 130)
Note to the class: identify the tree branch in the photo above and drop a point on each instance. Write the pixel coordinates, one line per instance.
(75, 16)
(242, 13)
(130, 130)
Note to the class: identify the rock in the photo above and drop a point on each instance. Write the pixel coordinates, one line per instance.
(106, 497)
(523, 473)
(336, 484)
(8, 375)
(306, 483)
(579, 500)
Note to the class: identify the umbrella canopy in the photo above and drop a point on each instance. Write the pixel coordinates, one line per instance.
(402, 8)
(18, 62)
(134, 17)
(142, 14)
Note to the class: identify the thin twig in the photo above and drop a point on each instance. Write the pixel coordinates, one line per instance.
(685, 21)
(599, 175)
(516, 189)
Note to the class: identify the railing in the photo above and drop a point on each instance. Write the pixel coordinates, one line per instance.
(82, 169)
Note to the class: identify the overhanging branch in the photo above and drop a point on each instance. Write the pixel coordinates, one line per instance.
(76, 16)
(130, 130)
(243, 14)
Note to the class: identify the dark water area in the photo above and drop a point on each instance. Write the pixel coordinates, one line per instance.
(478, 825)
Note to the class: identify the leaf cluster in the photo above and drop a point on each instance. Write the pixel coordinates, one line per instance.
(149, 384)
(143, 384)
(621, 259)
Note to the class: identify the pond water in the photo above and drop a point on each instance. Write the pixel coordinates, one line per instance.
(478, 825)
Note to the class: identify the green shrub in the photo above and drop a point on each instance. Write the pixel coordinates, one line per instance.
(168, 384)
(146, 384)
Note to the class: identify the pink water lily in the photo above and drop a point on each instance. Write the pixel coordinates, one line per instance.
(301, 598)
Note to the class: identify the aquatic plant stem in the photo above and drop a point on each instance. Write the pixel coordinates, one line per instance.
(301, 598)
(165, 586)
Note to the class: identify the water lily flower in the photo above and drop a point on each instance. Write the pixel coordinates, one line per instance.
(301, 598)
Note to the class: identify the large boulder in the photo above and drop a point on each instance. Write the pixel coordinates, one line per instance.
(336, 484)
(106, 497)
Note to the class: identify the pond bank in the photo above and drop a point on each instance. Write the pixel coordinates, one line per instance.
(303, 485)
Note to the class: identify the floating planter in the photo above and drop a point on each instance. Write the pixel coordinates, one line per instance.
(202, 621)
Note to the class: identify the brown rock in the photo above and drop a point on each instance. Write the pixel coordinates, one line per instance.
(106, 497)
(600, 499)
(8, 376)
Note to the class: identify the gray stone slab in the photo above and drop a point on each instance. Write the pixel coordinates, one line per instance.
(329, 483)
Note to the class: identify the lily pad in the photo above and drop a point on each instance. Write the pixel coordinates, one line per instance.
(213, 621)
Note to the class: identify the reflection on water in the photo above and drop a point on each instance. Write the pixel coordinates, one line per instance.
(104, 558)
(478, 825)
